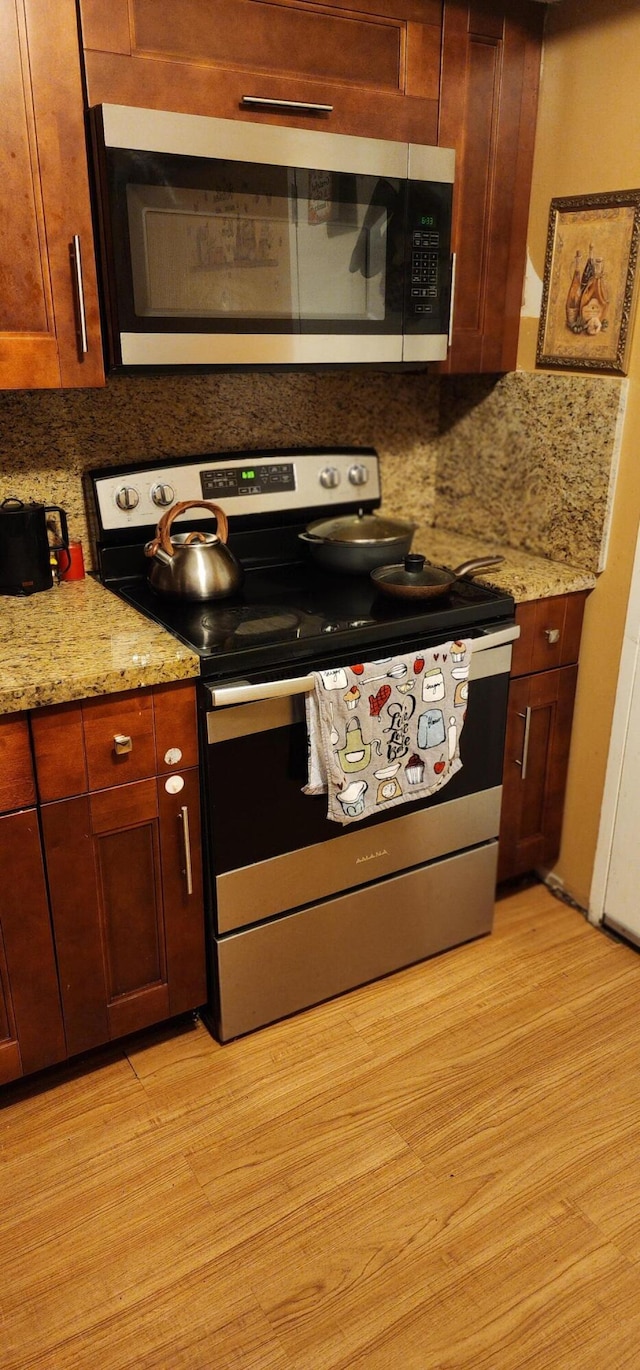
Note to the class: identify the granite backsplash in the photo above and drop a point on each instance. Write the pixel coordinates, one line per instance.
(48, 439)
(527, 459)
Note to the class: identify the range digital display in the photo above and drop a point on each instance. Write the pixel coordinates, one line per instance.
(247, 480)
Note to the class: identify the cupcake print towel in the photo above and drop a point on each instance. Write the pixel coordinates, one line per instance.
(386, 732)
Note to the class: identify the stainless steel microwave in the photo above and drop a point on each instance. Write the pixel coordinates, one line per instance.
(226, 243)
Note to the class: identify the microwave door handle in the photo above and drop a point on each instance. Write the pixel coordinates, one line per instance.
(265, 102)
(454, 257)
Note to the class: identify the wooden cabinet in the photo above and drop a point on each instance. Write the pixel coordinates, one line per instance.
(488, 99)
(541, 698)
(119, 792)
(31, 1031)
(375, 62)
(46, 203)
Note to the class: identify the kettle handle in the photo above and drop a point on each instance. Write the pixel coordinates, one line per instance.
(163, 531)
(64, 529)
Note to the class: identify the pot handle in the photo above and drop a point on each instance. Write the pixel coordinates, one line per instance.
(163, 531)
(477, 564)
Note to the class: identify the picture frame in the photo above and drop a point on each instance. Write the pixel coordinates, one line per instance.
(589, 281)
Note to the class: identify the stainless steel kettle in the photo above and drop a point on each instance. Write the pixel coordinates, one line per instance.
(195, 566)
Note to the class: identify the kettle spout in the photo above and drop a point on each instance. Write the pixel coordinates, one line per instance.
(161, 555)
(156, 552)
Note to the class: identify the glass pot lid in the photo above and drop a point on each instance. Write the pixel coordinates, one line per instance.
(361, 528)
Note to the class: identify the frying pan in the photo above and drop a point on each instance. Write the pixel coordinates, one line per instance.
(413, 579)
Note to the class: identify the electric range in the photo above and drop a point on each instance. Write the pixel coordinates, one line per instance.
(298, 908)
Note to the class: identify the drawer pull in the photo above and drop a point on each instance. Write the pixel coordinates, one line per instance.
(122, 744)
(552, 635)
(525, 742)
(186, 839)
(264, 102)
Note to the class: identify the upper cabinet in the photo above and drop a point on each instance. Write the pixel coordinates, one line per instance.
(376, 63)
(463, 74)
(49, 320)
(488, 100)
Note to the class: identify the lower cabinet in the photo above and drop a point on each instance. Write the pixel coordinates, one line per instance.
(101, 888)
(125, 884)
(31, 1031)
(541, 699)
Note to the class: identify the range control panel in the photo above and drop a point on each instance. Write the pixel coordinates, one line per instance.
(252, 483)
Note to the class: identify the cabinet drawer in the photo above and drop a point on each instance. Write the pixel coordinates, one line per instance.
(75, 744)
(549, 633)
(114, 739)
(17, 786)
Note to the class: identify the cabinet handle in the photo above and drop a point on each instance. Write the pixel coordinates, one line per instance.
(552, 635)
(81, 317)
(525, 741)
(264, 102)
(122, 744)
(454, 258)
(186, 839)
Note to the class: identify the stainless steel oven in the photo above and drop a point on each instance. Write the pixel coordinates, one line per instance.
(299, 908)
(302, 909)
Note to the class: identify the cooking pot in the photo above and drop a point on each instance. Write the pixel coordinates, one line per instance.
(357, 543)
(195, 566)
(415, 578)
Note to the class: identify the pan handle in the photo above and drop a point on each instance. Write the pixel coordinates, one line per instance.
(477, 564)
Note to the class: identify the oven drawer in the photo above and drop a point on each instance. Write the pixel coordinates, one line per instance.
(268, 972)
(355, 857)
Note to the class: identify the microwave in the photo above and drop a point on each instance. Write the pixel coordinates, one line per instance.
(225, 243)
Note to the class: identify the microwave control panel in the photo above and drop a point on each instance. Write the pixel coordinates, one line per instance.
(425, 255)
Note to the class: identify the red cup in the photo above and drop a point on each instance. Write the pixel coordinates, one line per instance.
(71, 561)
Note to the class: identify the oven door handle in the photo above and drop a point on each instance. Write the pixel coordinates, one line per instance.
(242, 692)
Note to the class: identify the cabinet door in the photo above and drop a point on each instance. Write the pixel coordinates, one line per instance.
(17, 786)
(377, 64)
(31, 1032)
(535, 769)
(46, 202)
(128, 923)
(488, 101)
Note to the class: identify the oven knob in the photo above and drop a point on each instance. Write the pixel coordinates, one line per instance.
(127, 497)
(330, 477)
(163, 495)
(358, 474)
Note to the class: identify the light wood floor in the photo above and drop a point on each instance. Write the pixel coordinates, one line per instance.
(439, 1170)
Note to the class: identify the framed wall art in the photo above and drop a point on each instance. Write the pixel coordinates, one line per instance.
(589, 281)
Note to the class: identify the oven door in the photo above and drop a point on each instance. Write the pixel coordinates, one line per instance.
(272, 848)
(231, 243)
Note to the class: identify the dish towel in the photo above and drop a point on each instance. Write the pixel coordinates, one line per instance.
(386, 732)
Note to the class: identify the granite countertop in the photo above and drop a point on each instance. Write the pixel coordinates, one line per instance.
(79, 639)
(524, 576)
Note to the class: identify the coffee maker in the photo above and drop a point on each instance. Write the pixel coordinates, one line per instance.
(25, 553)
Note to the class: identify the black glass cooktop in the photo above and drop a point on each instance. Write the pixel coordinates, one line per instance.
(291, 613)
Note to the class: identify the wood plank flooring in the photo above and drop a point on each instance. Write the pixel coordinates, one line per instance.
(440, 1171)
